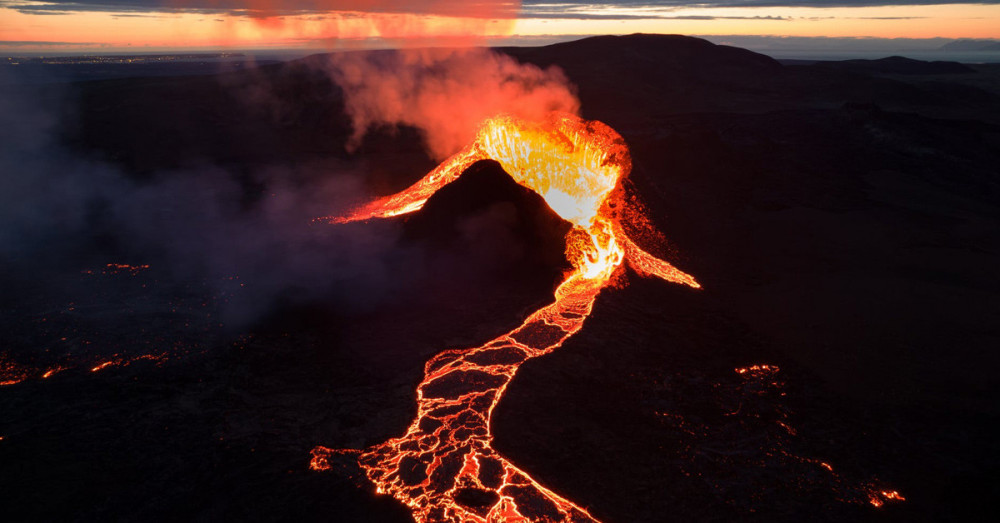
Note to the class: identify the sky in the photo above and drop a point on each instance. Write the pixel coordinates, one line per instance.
(148, 25)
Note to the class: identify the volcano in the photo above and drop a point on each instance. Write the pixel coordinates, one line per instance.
(445, 467)
(841, 220)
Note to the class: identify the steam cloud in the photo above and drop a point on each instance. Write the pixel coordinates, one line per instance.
(445, 93)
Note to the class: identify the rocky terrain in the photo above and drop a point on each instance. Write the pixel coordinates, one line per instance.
(842, 218)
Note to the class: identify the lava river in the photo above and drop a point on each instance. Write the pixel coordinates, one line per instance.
(444, 467)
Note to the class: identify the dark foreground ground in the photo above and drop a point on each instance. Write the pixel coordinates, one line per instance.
(843, 218)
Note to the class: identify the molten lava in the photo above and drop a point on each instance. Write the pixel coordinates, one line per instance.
(444, 468)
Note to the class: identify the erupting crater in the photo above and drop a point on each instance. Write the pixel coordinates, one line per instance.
(444, 468)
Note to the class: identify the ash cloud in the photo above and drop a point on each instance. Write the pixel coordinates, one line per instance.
(445, 93)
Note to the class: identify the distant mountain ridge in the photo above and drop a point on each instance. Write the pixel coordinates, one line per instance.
(899, 65)
(972, 45)
(665, 52)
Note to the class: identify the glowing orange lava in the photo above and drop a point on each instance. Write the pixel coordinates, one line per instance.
(11, 373)
(876, 497)
(103, 366)
(444, 468)
(53, 371)
(121, 361)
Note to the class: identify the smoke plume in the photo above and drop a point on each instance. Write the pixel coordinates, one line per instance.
(445, 93)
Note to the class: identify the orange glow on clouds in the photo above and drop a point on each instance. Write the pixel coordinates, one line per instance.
(189, 30)
(457, 25)
(930, 21)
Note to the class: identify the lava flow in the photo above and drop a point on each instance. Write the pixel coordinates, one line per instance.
(444, 468)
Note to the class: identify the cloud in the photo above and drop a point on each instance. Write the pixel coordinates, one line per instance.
(257, 8)
(531, 5)
(587, 16)
(600, 9)
(40, 43)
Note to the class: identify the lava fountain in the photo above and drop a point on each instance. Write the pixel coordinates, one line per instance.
(444, 468)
